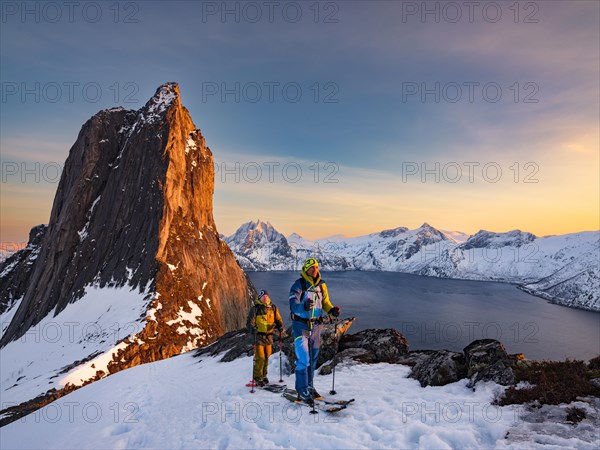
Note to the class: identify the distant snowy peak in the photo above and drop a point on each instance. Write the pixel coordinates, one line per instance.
(394, 232)
(15, 270)
(5, 254)
(259, 246)
(297, 241)
(427, 234)
(252, 234)
(488, 239)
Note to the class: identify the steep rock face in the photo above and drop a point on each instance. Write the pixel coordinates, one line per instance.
(133, 209)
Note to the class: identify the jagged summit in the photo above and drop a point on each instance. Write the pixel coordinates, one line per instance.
(132, 211)
(165, 94)
(165, 97)
(257, 235)
(255, 230)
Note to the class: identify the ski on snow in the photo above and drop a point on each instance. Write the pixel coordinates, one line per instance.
(322, 404)
(271, 387)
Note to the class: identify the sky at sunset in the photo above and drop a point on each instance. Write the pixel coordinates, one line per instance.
(324, 118)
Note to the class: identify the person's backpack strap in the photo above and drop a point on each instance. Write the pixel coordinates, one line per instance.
(304, 288)
(303, 285)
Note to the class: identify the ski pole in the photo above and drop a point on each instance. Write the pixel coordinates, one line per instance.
(332, 391)
(280, 366)
(310, 366)
(253, 362)
(255, 330)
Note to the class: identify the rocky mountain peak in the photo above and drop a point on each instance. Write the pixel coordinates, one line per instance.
(428, 231)
(133, 209)
(253, 233)
(258, 237)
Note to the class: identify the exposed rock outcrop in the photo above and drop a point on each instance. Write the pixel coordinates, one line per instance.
(481, 360)
(487, 360)
(439, 368)
(370, 346)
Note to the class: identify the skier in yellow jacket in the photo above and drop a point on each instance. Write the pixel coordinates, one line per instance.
(263, 318)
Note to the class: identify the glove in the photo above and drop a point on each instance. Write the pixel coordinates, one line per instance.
(282, 333)
(335, 311)
(308, 305)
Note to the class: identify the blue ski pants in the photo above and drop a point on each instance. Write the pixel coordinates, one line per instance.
(306, 345)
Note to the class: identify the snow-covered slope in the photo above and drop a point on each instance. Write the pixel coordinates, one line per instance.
(576, 284)
(569, 264)
(183, 402)
(564, 269)
(514, 256)
(72, 346)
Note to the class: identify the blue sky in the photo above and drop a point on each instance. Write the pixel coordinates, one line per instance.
(362, 132)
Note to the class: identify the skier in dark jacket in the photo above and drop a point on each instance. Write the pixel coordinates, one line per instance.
(263, 318)
(308, 299)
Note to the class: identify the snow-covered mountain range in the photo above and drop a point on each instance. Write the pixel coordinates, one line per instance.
(564, 269)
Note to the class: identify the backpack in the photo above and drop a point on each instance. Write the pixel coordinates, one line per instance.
(304, 286)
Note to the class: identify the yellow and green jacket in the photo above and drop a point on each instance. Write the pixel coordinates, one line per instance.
(264, 319)
(306, 288)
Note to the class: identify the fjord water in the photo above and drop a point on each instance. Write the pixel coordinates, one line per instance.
(437, 313)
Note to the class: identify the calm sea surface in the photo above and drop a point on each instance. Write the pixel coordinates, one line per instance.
(435, 313)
